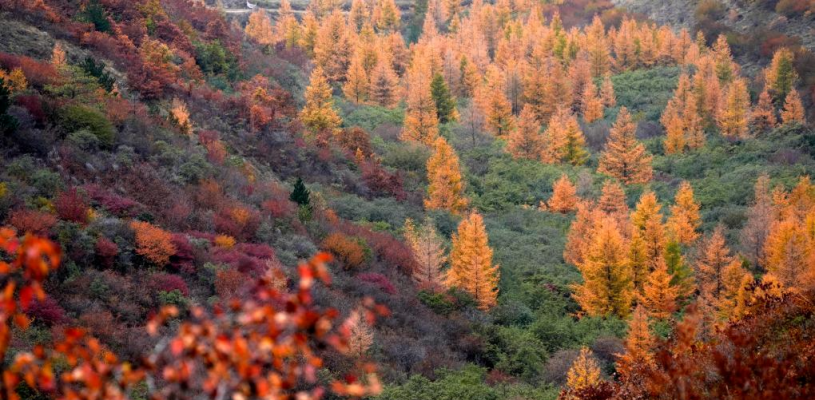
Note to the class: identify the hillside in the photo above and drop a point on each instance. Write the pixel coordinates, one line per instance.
(395, 200)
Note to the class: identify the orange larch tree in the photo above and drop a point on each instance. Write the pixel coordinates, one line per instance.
(421, 120)
(445, 190)
(647, 219)
(607, 288)
(674, 142)
(793, 109)
(780, 76)
(639, 344)
(763, 115)
(495, 105)
(526, 141)
(471, 266)
(319, 114)
(592, 104)
(334, 46)
(789, 251)
(607, 92)
(384, 90)
(584, 372)
(356, 81)
(713, 258)
(428, 251)
(684, 220)
(259, 28)
(580, 234)
(625, 158)
(564, 196)
(733, 115)
(659, 296)
(563, 140)
(760, 218)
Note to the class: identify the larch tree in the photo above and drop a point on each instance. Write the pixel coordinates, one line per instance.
(361, 334)
(754, 234)
(356, 81)
(445, 102)
(684, 220)
(639, 344)
(659, 296)
(733, 116)
(428, 251)
(334, 46)
(607, 288)
(58, 58)
(674, 142)
(713, 257)
(359, 14)
(681, 273)
(564, 196)
(495, 105)
(579, 238)
(563, 140)
(763, 115)
(584, 372)
(445, 190)
(386, 16)
(780, 75)
(638, 261)
(526, 140)
(647, 219)
(319, 115)
(793, 111)
(625, 158)
(694, 125)
(259, 28)
(384, 90)
(471, 266)
(789, 252)
(733, 281)
(421, 118)
(592, 104)
(607, 92)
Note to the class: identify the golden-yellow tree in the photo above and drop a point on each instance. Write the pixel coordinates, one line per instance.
(684, 220)
(445, 190)
(361, 334)
(58, 58)
(639, 344)
(789, 251)
(319, 114)
(259, 28)
(763, 115)
(659, 296)
(495, 105)
(733, 115)
(579, 238)
(793, 109)
(334, 46)
(625, 158)
(563, 140)
(607, 92)
(526, 141)
(713, 259)
(471, 266)
(384, 90)
(592, 104)
(428, 251)
(356, 81)
(584, 372)
(421, 120)
(564, 196)
(647, 219)
(607, 288)
(780, 75)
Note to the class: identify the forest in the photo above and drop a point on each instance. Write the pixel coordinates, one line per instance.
(405, 200)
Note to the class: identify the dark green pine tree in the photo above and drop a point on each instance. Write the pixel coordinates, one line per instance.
(300, 194)
(445, 103)
(7, 123)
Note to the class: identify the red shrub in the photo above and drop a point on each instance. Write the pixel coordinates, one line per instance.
(261, 251)
(72, 206)
(380, 181)
(206, 137)
(243, 263)
(106, 251)
(115, 204)
(37, 73)
(229, 282)
(32, 104)
(279, 208)
(351, 252)
(379, 280)
(31, 221)
(184, 253)
(162, 282)
(390, 250)
(216, 152)
(47, 311)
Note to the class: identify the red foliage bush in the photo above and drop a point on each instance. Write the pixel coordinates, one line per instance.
(47, 311)
(163, 282)
(242, 262)
(37, 73)
(184, 253)
(106, 251)
(390, 250)
(32, 104)
(31, 221)
(261, 251)
(351, 252)
(72, 206)
(379, 280)
(380, 181)
(279, 208)
(229, 282)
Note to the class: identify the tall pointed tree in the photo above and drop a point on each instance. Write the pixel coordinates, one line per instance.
(421, 119)
(713, 257)
(579, 238)
(639, 344)
(319, 114)
(647, 219)
(584, 372)
(734, 113)
(471, 266)
(445, 102)
(356, 81)
(563, 140)
(763, 115)
(624, 157)
(592, 104)
(793, 109)
(681, 274)
(428, 251)
(445, 189)
(526, 141)
(780, 75)
(658, 295)
(564, 196)
(684, 220)
(789, 251)
(674, 142)
(384, 90)
(607, 288)
(259, 28)
(760, 218)
(607, 92)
